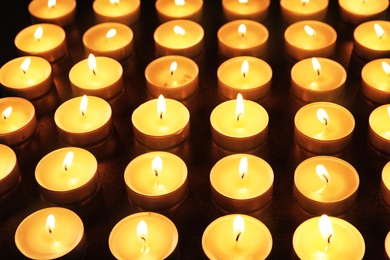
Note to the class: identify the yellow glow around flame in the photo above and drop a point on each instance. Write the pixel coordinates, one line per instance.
(242, 30)
(50, 224)
(326, 229)
(92, 64)
(180, 2)
(84, 105)
(7, 112)
(305, 2)
(322, 173)
(239, 107)
(179, 30)
(51, 3)
(316, 66)
(238, 227)
(114, 2)
(38, 33)
(157, 164)
(173, 68)
(243, 1)
(379, 31)
(386, 67)
(25, 65)
(68, 161)
(244, 68)
(243, 167)
(161, 106)
(322, 116)
(310, 31)
(111, 33)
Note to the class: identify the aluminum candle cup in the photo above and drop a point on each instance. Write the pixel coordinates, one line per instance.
(378, 128)
(385, 185)
(376, 81)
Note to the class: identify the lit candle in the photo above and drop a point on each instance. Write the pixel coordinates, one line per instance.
(9, 170)
(156, 180)
(113, 40)
(179, 9)
(67, 175)
(385, 185)
(379, 130)
(100, 76)
(60, 12)
(245, 9)
(239, 125)
(161, 123)
(325, 184)
(51, 233)
(179, 37)
(376, 81)
(44, 40)
(120, 11)
(173, 76)
(83, 121)
(298, 10)
(323, 127)
(242, 38)
(18, 122)
(241, 183)
(249, 76)
(236, 237)
(372, 40)
(387, 245)
(359, 11)
(28, 77)
(155, 238)
(328, 238)
(306, 39)
(318, 79)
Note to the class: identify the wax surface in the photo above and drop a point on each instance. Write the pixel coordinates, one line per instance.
(297, 7)
(124, 7)
(22, 114)
(7, 161)
(365, 35)
(370, 7)
(375, 77)
(169, 8)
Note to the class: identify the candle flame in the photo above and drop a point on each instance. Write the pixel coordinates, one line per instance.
(179, 30)
(92, 63)
(111, 33)
(173, 68)
(243, 167)
(84, 105)
(243, 1)
(51, 3)
(38, 33)
(239, 107)
(323, 173)
(326, 230)
(238, 227)
(180, 2)
(68, 161)
(305, 2)
(316, 66)
(310, 31)
(244, 68)
(142, 233)
(379, 31)
(25, 65)
(157, 165)
(386, 67)
(7, 112)
(323, 116)
(114, 2)
(242, 30)
(161, 106)
(50, 224)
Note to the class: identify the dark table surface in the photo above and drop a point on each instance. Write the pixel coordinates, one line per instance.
(282, 214)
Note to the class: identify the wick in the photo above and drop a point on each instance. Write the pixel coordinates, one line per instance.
(327, 181)
(244, 74)
(238, 236)
(51, 235)
(82, 113)
(172, 73)
(318, 73)
(4, 117)
(66, 168)
(238, 116)
(328, 245)
(161, 115)
(145, 247)
(94, 72)
(242, 175)
(156, 173)
(326, 121)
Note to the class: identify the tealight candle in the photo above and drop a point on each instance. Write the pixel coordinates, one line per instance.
(51, 233)
(9, 170)
(376, 80)
(379, 130)
(173, 76)
(83, 121)
(156, 180)
(144, 235)
(318, 79)
(385, 185)
(28, 77)
(179, 9)
(120, 11)
(323, 127)
(387, 245)
(359, 11)
(328, 238)
(44, 40)
(371, 40)
(306, 39)
(245, 9)
(325, 184)
(18, 122)
(179, 37)
(161, 123)
(237, 237)
(100, 76)
(241, 182)
(67, 175)
(239, 125)
(61, 13)
(298, 10)
(113, 40)
(247, 75)
(242, 38)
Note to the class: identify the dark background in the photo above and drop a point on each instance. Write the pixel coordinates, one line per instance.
(282, 214)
